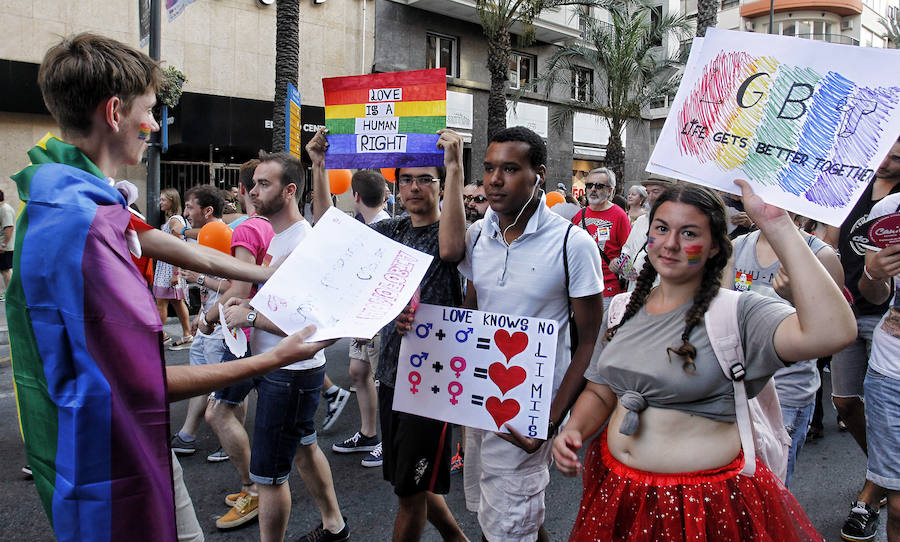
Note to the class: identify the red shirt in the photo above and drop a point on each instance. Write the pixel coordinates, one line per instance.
(609, 229)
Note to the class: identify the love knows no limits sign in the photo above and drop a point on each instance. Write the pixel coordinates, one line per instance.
(478, 369)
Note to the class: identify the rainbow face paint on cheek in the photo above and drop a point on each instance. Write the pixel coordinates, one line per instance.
(650, 241)
(694, 254)
(144, 134)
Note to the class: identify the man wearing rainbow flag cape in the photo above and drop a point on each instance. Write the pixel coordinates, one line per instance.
(91, 384)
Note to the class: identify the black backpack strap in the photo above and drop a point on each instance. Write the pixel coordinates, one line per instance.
(573, 328)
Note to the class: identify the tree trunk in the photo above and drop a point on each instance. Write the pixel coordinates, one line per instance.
(707, 14)
(498, 65)
(615, 157)
(287, 63)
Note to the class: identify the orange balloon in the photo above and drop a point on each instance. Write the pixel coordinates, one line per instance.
(216, 235)
(554, 197)
(339, 180)
(389, 173)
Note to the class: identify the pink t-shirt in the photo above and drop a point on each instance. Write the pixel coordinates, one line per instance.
(609, 229)
(254, 234)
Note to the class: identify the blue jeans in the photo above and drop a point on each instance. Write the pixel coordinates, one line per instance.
(285, 409)
(883, 429)
(796, 421)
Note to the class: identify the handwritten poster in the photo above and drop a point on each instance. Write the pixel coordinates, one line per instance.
(806, 122)
(385, 119)
(344, 278)
(479, 369)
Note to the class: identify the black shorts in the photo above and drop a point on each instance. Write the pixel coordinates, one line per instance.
(416, 449)
(6, 260)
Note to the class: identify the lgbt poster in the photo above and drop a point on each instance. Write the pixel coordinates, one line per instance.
(805, 122)
(385, 119)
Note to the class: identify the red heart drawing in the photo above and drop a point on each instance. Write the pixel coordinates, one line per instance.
(502, 412)
(510, 346)
(506, 379)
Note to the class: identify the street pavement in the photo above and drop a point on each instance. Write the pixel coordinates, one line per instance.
(829, 473)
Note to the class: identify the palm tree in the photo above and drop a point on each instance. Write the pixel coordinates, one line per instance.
(707, 14)
(287, 62)
(631, 62)
(497, 18)
(891, 25)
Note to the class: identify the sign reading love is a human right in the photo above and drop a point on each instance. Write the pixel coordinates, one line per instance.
(478, 369)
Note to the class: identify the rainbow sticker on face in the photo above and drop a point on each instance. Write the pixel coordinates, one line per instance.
(694, 254)
(650, 241)
(144, 134)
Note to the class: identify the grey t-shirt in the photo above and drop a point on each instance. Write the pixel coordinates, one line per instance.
(797, 383)
(636, 359)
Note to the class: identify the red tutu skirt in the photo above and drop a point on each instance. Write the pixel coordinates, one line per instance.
(719, 505)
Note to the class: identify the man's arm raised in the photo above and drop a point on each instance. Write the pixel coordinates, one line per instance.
(452, 230)
(321, 190)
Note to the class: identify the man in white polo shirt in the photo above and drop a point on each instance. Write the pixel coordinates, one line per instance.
(514, 265)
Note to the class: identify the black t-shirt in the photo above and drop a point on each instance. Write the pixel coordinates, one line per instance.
(441, 285)
(853, 256)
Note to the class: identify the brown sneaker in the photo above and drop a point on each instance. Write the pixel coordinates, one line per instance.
(231, 499)
(245, 509)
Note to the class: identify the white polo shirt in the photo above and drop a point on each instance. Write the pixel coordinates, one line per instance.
(528, 278)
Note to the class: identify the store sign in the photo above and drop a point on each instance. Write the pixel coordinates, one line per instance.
(531, 116)
(459, 110)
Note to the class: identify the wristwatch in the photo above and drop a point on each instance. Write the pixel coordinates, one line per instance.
(200, 279)
(251, 318)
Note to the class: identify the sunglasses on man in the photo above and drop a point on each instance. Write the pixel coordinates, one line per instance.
(476, 199)
(598, 186)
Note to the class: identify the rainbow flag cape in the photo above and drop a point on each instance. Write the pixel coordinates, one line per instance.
(385, 119)
(87, 364)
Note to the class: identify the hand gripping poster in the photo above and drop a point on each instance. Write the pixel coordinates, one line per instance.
(805, 122)
(478, 369)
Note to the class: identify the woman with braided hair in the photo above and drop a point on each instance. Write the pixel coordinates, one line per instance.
(667, 466)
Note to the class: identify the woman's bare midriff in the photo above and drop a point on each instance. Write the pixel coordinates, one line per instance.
(673, 441)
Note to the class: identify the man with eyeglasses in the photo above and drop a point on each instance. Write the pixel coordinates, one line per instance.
(416, 450)
(475, 201)
(607, 223)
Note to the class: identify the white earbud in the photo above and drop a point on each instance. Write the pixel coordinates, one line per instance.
(537, 179)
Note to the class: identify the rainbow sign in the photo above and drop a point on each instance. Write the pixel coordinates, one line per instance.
(385, 119)
(806, 122)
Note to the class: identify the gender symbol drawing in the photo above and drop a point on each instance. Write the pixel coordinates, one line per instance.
(478, 369)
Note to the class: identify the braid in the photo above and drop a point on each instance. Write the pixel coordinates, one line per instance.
(708, 289)
(641, 290)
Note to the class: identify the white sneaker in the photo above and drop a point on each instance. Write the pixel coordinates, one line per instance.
(336, 404)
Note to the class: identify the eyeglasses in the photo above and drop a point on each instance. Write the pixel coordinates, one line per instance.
(598, 186)
(422, 180)
(476, 199)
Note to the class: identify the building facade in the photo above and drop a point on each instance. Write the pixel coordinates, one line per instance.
(226, 49)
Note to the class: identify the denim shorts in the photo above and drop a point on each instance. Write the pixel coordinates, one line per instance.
(206, 349)
(235, 393)
(883, 429)
(848, 367)
(796, 421)
(285, 410)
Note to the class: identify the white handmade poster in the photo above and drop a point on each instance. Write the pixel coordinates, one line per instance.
(235, 339)
(805, 122)
(479, 369)
(345, 278)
